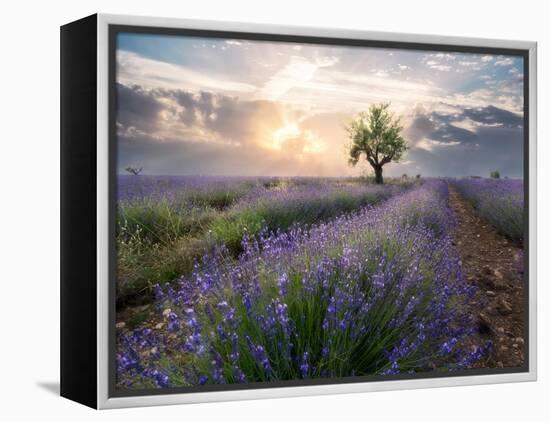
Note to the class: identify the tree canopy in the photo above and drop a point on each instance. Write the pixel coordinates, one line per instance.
(133, 170)
(376, 135)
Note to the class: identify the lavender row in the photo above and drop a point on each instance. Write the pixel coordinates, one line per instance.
(160, 234)
(370, 293)
(499, 201)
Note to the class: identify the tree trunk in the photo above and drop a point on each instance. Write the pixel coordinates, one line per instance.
(378, 175)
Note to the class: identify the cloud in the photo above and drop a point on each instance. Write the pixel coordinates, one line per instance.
(133, 69)
(176, 131)
(468, 63)
(137, 108)
(173, 131)
(467, 141)
(446, 56)
(194, 158)
(249, 107)
(433, 64)
(297, 71)
(504, 61)
(429, 145)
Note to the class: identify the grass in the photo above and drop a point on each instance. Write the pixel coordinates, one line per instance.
(159, 238)
(281, 215)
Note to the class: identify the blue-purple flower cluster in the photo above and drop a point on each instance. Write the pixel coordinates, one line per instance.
(373, 292)
(499, 201)
(134, 188)
(164, 223)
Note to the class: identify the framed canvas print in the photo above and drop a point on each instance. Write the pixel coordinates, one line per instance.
(253, 211)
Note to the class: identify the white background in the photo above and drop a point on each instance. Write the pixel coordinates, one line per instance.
(29, 174)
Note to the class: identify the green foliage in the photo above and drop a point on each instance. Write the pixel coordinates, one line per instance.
(307, 310)
(163, 221)
(133, 170)
(495, 174)
(216, 199)
(281, 215)
(141, 263)
(159, 239)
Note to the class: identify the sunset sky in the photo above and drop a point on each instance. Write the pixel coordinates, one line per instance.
(191, 106)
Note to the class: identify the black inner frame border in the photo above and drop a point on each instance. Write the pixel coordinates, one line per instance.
(115, 29)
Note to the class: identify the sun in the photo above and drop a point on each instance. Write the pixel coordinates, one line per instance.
(280, 136)
(298, 140)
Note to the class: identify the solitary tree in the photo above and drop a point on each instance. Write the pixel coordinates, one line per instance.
(133, 170)
(377, 135)
(495, 174)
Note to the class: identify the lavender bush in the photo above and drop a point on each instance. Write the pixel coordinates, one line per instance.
(378, 291)
(499, 201)
(279, 210)
(165, 223)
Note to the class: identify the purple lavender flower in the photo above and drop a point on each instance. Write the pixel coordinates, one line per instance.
(282, 283)
(304, 365)
(375, 291)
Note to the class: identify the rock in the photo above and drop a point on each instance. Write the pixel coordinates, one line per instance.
(500, 330)
(159, 325)
(520, 341)
(485, 281)
(493, 284)
(503, 348)
(484, 323)
(120, 325)
(504, 307)
(491, 293)
(500, 364)
(143, 308)
(515, 345)
(492, 279)
(166, 312)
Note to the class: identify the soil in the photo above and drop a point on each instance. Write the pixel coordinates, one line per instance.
(494, 264)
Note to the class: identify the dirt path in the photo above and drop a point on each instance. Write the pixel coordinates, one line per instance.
(494, 265)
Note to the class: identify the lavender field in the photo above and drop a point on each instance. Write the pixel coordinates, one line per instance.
(499, 201)
(263, 279)
(164, 224)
